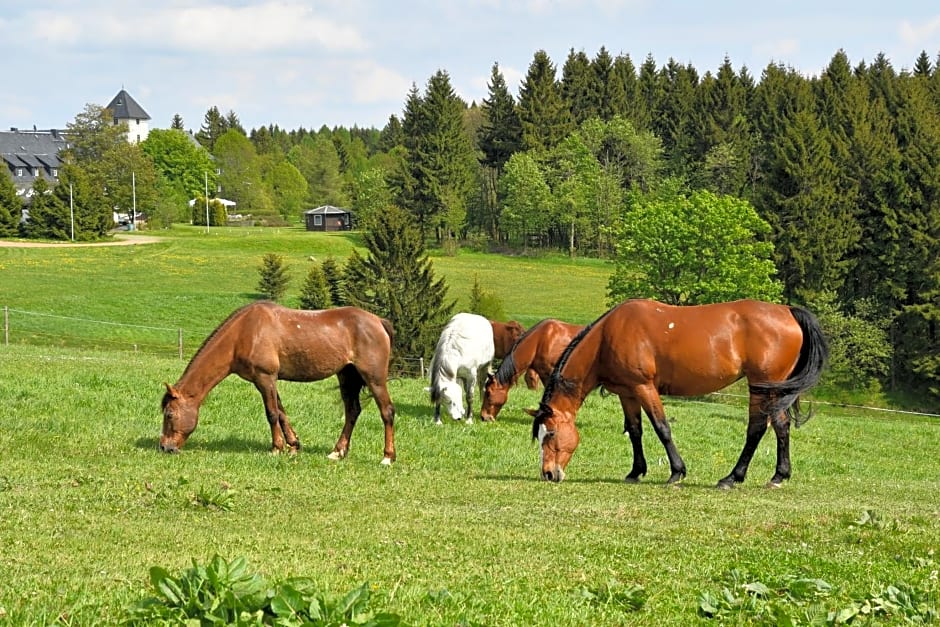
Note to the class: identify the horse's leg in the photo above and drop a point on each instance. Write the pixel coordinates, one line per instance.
(266, 386)
(781, 425)
(387, 412)
(292, 440)
(756, 427)
(437, 413)
(468, 385)
(652, 404)
(633, 425)
(349, 385)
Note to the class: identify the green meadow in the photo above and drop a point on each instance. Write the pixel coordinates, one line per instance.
(460, 530)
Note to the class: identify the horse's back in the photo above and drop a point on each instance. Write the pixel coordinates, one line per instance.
(466, 341)
(688, 350)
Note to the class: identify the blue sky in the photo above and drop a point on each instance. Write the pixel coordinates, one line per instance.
(346, 62)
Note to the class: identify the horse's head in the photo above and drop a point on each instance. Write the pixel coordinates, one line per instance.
(558, 438)
(451, 396)
(494, 397)
(180, 416)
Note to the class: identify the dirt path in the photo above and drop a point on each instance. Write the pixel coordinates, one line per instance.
(119, 240)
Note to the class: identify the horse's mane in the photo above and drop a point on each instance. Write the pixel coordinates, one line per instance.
(506, 372)
(558, 382)
(225, 323)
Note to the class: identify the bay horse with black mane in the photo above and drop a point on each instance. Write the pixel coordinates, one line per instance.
(642, 348)
(264, 342)
(537, 350)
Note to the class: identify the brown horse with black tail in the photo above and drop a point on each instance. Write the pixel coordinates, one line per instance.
(263, 342)
(642, 348)
(537, 350)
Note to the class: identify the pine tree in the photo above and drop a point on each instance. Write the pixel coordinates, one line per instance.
(607, 93)
(232, 122)
(273, 277)
(544, 117)
(396, 281)
(501, 133)
(625, 80)
(11, 207)
(213, 127)
(48, 217)
(315, 293)
(578, 89)
(177, 122)
(334, 274)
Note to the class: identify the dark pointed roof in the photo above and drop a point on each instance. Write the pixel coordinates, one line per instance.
(123, 107)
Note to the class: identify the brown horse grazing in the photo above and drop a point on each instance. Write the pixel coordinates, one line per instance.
(263, 342)
(641, 349)
(538, 350)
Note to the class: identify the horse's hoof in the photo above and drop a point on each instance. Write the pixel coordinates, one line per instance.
(336, 456)
(725, 485)
(774, 484)
(629, 479)
(386, 461)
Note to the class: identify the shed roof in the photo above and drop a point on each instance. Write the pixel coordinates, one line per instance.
(326, 210)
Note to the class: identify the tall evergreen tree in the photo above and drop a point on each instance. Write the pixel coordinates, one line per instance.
(213, 127)
(315, 292)
(396, 280)
(673, 111)
(544, 117)
(624, 75)
(177, 122)
(11, 207)
(48, 217)
(578, 90)
(609, 95)
(501, 133)
(499, 138)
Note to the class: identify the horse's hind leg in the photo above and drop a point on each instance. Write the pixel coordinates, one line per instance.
(633, 425)
(756, 427)
(781, 425)
(387, 412)
(350, 383)
(469, 384)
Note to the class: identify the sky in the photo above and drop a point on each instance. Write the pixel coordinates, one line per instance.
(352, 62)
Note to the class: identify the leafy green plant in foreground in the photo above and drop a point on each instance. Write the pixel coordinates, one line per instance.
(228, 593)
(808, 601)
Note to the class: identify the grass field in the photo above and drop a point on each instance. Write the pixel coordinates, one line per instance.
(459, 530)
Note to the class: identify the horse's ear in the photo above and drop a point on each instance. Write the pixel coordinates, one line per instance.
(172, 391)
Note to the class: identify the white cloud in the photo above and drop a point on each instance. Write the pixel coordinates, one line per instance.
(270, 26)
(915, 35)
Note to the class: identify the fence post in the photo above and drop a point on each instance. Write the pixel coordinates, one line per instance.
(6, 325)
(179, 342)
(421, 361)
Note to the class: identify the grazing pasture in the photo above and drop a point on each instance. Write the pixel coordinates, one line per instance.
(460, 529)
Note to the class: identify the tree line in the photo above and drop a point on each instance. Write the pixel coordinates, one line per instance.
(820, 190)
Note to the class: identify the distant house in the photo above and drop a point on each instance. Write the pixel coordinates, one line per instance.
(328, 218)
(27, 155)
(125, 109)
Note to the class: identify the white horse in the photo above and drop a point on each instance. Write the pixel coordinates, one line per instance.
(464, 353)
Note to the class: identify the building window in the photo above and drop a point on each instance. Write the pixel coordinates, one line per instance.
(55, 172)
(35, 171)
(317, 220)
(137, 122)
(19, 171)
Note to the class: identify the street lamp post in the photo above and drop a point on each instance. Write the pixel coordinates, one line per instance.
(206, 175)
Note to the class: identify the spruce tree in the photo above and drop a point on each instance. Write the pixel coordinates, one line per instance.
(396, 280)
(48, 217)
(334, 274)
(213, 127)
(625, 79)
(543, 114)
(501, 133)
(273, 277)
(315, 293)
(177, 122)
(578, 87)
(11, 207)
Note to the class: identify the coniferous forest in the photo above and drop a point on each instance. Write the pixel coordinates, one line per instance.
(836, 177)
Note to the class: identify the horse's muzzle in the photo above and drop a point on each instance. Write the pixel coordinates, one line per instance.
(169, 448)
(556, 476)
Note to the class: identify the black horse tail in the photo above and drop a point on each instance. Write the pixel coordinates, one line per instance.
(785, 395)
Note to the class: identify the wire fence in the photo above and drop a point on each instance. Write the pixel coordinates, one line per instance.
(45, 329)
